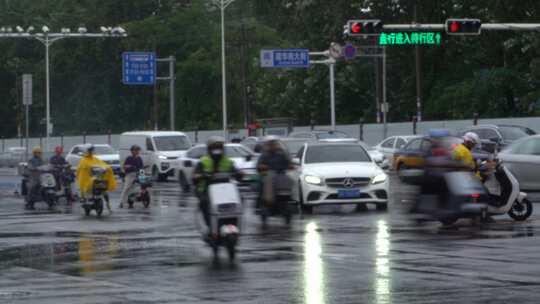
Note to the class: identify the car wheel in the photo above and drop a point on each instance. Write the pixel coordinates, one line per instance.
(382, 207)
(399, 168)
(361, 208)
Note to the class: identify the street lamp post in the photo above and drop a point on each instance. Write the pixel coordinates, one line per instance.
(223, 4)
(47, 39)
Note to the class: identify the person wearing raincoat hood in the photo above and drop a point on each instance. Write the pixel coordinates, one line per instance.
(84, 175)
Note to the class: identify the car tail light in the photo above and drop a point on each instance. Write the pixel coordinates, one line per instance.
(474, 197)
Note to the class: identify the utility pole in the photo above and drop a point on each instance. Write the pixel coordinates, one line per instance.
(222, 5)
(330, 62)
(171, 78)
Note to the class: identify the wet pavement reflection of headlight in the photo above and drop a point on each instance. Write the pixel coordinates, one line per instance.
(313, 266)
(382, 264)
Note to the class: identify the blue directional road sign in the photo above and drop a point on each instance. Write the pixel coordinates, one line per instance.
(139, 68)
(287, 58)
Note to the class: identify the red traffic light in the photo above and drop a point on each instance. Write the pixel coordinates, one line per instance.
(363, 27)
(454, 27)
(463, 26)
(356, 28)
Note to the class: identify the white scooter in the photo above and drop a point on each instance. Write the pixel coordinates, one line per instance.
(506, 196)
(225, 214)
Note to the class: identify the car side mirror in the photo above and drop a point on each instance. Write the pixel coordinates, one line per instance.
(80, 153)
(249, 157)
(188, 164)
(296, 161)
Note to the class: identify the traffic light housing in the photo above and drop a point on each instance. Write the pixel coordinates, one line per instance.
(463, 26)
(363, 27)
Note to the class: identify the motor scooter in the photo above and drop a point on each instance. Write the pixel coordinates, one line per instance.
(99, 191)
(505, 195)
(277, 196)
(225, 206)
(39, 186)
(65, 178)
(141, 193)
(451, 196)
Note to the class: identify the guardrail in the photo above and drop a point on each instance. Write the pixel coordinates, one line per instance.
(12, 160)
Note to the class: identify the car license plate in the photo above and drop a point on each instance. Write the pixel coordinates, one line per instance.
(348, 193)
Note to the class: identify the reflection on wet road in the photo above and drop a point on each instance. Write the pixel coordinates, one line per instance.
(313, 266)
(382, 264)
(333, 256)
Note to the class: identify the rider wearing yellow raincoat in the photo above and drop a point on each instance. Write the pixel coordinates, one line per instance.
(84, 174)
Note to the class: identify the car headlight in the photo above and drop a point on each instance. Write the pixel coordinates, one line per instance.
(162, 157)
(381, 178)
(314, 180)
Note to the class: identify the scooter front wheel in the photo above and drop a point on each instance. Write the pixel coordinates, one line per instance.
(521, 211)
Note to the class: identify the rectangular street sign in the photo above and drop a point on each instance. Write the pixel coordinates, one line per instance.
(27, 89)
(285, 58)
(139, 68)
(410, 38)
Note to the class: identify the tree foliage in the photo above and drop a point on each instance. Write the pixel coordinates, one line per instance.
(495, 74)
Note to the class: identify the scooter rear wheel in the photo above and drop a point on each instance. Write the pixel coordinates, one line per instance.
(86, 210)
(146, 200)
(231, 250)
(99, 207)
(521, 211)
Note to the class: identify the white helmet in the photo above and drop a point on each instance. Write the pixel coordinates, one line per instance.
(212, 140)
(471, 137)
(271, 138)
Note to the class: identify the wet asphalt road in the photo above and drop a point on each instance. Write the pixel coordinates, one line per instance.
(333, 256)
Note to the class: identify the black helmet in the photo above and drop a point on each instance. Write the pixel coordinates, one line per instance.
(135, 148)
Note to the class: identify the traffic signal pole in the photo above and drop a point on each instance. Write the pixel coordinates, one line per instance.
(485, 26)
(331, 63)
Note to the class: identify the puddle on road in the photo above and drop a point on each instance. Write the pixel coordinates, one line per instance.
(93, 253)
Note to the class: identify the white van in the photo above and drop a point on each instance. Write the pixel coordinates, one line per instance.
(160, 151)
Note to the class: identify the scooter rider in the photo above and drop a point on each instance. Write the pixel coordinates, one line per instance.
(33, 164)
(214, 162)
(132, 165)
(57, 159)
(463, 153)
(84, 171)
(273, 158)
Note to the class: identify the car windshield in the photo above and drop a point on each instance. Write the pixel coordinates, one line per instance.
(237, 151)
(332, 135)
(336, 154)
(293, 146)
(172, 143)
(103, 150)
(512, 133)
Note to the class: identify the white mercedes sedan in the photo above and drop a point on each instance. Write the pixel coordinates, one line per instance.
(339, 173)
